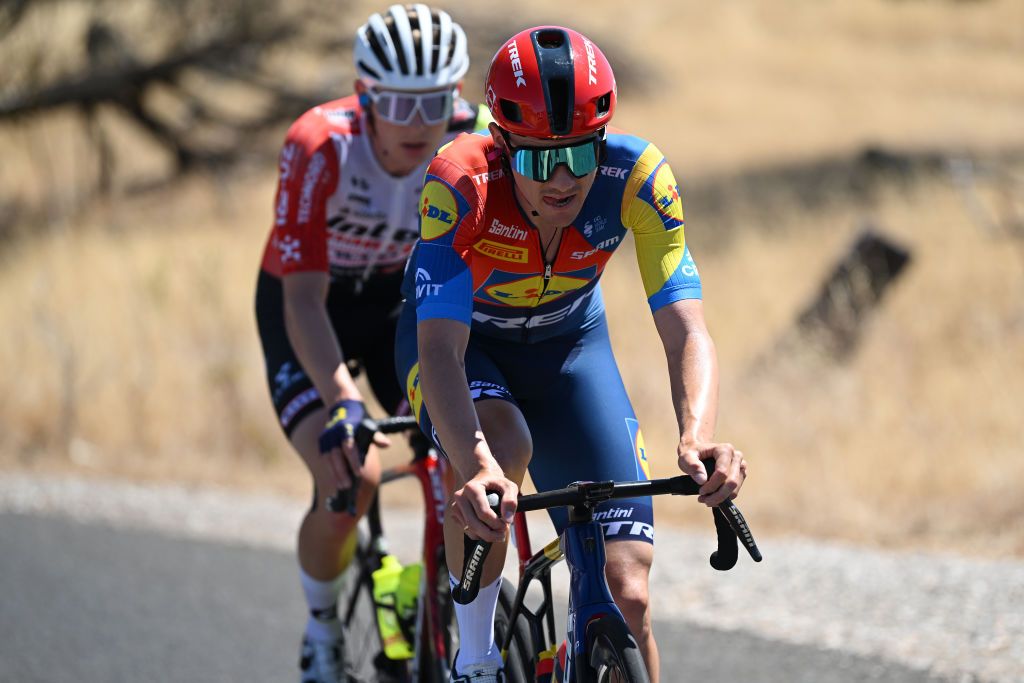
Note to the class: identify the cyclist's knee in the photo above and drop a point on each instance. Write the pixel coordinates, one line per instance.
(628, 571)
(631, 593)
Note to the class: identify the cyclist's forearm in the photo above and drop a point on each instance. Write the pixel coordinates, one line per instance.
(315, 344)
(693, 368)
(446, 395)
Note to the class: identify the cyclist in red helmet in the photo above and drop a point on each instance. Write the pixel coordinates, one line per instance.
(503, 342)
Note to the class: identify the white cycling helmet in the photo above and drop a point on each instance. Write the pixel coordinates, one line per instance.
(412, 48)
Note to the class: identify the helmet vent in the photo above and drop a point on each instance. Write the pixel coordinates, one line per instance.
(416, 27)
(511, 111)
(561, 108)
(378, 50)
(368, 69)
(550, 39)
(604, 104)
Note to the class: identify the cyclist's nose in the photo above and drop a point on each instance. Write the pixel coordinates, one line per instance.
(561, 180)
(417, 120)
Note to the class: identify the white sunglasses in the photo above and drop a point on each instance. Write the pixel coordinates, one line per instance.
(401, 107)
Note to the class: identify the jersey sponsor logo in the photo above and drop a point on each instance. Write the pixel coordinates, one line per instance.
(636, 437)
(613, 513)
(309, 182)
(342, 113)
(412, 390)
(285, 378)
(297, 404)
(591, 61)
(281, 211)
(596, 223)
(517, 66)
(502, 252)
(603, 245)
(480, 389)
(287, 161)
(527, 292)
(289, 249)
(628, 529)
(424, 287)
(529, 322)
(513, 232)
(688, 267)
(614, 171)
(438, 212)
(666, 194)
(483, 178)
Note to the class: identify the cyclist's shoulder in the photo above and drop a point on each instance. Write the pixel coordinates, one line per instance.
(627, 150)
(467, 156)
(317, 125)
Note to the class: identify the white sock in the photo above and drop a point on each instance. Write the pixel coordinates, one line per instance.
(476, 628)
(322, 598)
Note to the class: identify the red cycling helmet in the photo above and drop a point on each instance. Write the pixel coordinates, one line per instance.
(550, 82)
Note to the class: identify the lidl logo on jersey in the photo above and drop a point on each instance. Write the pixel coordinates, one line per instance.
(438, 211)
(636, 437)
(514, 290)
(666, 194)
(412, 390)
(502, 252)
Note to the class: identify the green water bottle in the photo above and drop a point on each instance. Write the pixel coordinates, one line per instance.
(406, 596)
(385, 586)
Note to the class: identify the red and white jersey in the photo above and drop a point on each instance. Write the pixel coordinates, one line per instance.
(337, 210)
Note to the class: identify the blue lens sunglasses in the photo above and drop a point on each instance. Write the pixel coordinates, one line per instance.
(539, 163)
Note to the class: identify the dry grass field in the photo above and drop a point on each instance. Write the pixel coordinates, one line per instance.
(129, 347)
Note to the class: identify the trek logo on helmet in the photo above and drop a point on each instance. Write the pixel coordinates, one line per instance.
(517, 66)
(591, 61)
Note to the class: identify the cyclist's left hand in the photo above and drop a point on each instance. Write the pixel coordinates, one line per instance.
(724, 481)
(338, 444)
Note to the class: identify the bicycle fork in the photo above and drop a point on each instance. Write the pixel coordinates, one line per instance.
(589, 595)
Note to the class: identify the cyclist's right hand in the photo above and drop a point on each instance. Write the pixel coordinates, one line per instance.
(337, 441)
(469, 506)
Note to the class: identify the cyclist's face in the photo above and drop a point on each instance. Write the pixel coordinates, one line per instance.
(401, 148)
(558, 200)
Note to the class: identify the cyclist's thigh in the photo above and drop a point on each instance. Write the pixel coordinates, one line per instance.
(503, 426)
(377, 357)
(584, 429)
(364, 317)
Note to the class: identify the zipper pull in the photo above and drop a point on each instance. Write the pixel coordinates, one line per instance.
(547, 272)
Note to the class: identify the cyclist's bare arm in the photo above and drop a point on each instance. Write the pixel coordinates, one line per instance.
(310, 332)
(442, 347)
(312, 337)
(693, 369)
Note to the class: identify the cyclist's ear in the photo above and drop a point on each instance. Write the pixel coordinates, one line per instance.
(499, 139)
(500, 144)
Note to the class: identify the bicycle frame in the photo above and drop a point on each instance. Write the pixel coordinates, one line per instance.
(581, 544)
(432, 473)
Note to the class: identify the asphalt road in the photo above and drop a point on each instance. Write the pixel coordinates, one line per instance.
(93, 604)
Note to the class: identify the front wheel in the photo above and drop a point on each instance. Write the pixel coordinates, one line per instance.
(612, 654)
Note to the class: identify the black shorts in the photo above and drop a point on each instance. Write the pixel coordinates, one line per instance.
(364, 321)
